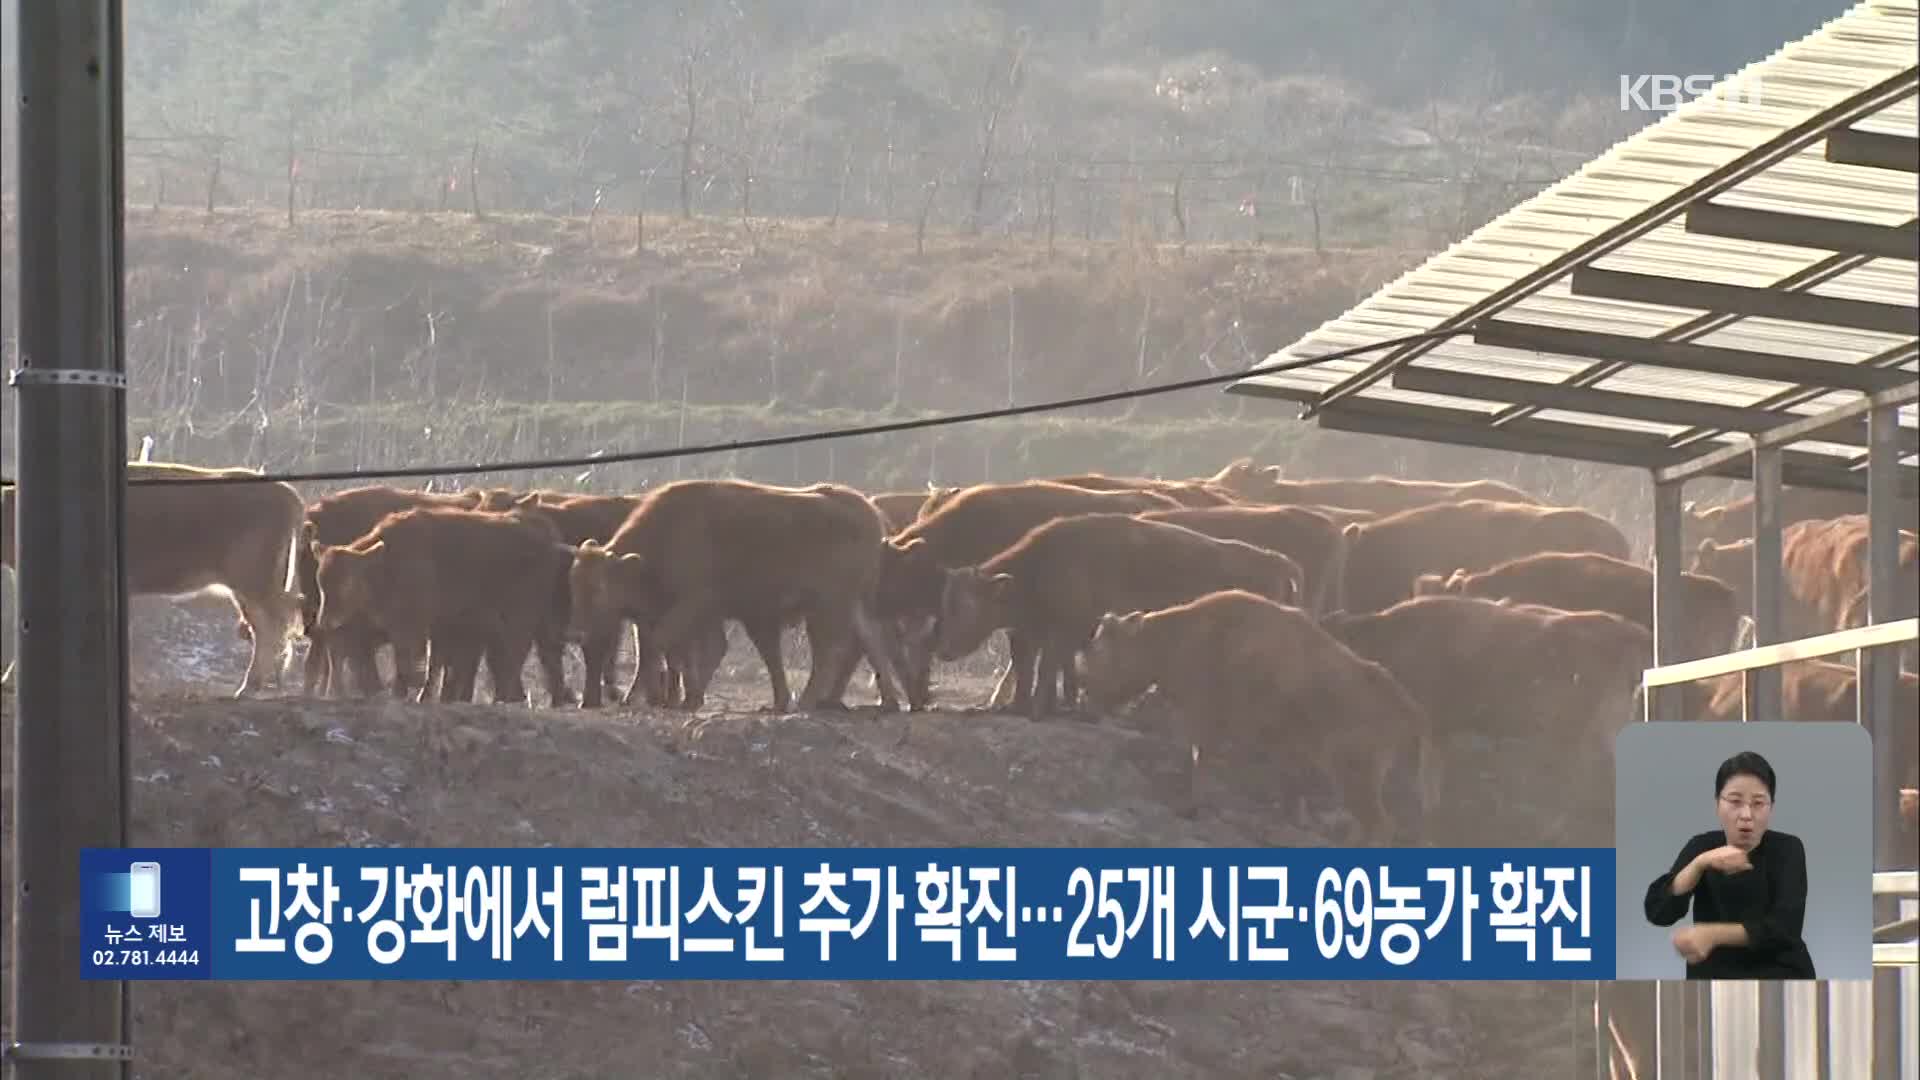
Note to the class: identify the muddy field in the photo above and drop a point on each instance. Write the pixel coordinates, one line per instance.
(211, 771)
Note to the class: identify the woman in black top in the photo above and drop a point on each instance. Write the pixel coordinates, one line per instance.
(1747, 886)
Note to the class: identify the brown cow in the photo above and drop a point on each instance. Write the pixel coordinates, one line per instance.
(237, 539)
(500, 575)
(696, 550)
(1733, 520)
(1510, 669)
(1236, 666)
(1818, 691)
(1055, 583)
(900, 508)
(1307, 536)
(338, 519)
(1190, 493)
(1823, 567)
(1380, 494)
(968, 528)
(1585, 581)
(1386, 556)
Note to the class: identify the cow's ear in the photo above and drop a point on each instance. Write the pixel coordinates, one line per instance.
(375, 549)
(632, 558)
(590, 544)
(1001, 585)
(1458, 582)
(907, 546)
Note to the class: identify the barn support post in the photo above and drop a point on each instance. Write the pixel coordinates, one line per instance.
(1874, 697)
(69, 757)
(1665, 701)
(1763, 684)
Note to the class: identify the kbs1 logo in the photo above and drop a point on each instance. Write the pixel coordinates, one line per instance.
(1664, 93)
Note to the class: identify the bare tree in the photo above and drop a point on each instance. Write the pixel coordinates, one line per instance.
(998, 94)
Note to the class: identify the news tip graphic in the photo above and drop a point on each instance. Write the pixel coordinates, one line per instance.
(850, 913)
(144, 913)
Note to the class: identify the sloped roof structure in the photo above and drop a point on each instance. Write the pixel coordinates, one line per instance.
(1745, 262)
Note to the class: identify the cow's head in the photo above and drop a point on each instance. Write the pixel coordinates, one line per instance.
(603, 586)
(1730, 562)
(972, 606)
(350, 577)
(1117, 665)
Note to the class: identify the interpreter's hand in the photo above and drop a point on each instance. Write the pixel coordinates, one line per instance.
(1692, 943)
(1727, 859)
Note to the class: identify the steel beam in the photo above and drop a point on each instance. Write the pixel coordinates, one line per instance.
(1763, 684)
(1646, 407)
(1770, 1057)
(1579, 448)
(1805, 231)
(1795, 431)
(1744, 300)
(1668, 614)
(1873, 150)
(1878, 671)
(70, 757)
(1685, 356)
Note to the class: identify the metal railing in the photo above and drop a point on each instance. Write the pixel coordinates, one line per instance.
(1812, 1014)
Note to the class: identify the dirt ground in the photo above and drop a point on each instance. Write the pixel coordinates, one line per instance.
(216, 772)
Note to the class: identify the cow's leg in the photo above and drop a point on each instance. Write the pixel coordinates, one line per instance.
(876, 638)
(765, 633)
(1016, 684)
(553, 654)
(597, 649)
(457, 655)
(507, 652)
(409, 650)
(354, 649)
(686, 619)
(317, 673)
(1046, 679)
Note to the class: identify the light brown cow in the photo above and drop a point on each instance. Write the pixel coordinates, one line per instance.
(1190, 493)
(1305, 535)
(338, 519)
(1054, 584)
(970, 527)
(1510, 669)
(501, 576)
(1385, 557)
(1380, 494)
(1585, 581)
(696, 550)
(1238, 668)
(232, 538)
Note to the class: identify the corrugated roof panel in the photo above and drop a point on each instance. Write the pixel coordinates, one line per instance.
(1873, 41)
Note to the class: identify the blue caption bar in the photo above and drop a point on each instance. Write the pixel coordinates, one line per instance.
(848, 913)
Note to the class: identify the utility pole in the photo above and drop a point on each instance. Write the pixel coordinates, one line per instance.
(70, 757)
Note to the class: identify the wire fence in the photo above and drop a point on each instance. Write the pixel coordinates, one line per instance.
(734, 446)
(1343, 194)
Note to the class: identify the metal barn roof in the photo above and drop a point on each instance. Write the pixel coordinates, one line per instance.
(1747, 260)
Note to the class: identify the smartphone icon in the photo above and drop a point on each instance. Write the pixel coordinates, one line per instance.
(143, 890)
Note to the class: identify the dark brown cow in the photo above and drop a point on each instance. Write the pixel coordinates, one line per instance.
(1584, 581)
(338, 519)
(1057, 580)
(696, 550)
(1307, 536)
(1190, 493)
(970, 527)
(1385, 557)
(500, 575)
(1238, 668)
(186, 539)
(1380, 494)
(1510, 669)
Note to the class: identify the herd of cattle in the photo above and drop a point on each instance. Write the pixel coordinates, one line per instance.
(1381, 611)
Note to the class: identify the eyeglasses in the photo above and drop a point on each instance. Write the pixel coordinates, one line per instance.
(1734, 803)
